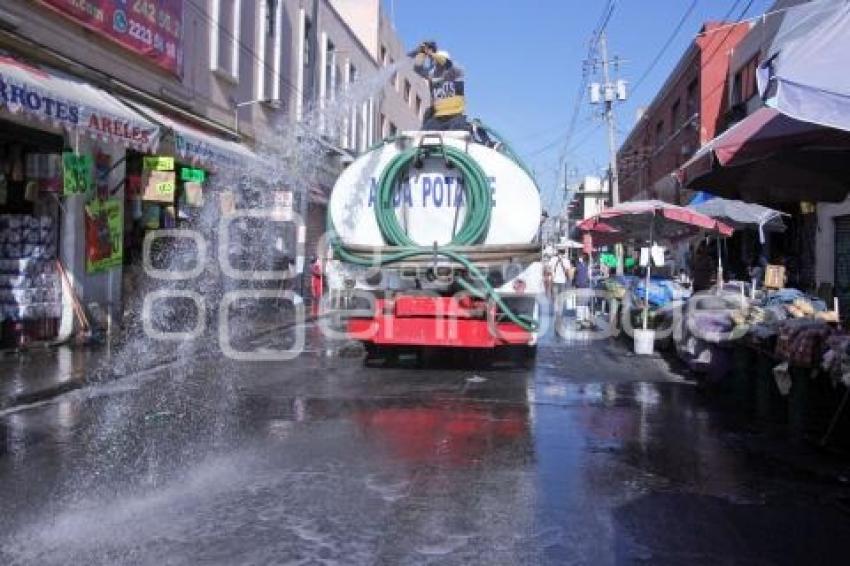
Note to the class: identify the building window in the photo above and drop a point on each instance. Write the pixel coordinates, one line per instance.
(307, 53)
(383, 59)
(418, 106)
(659, 133)
(303, 65)
(328, 85)
(362, 139)
(394, 77)
(675, 115)
(330, 74)
(407, 98)
(272, 19)
(691, 100)
(270, 42)
(382, 126)
(224, 37)
(393, 129)
(744, 86)
(354, 123)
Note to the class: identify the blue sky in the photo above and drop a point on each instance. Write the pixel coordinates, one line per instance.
(523, 63)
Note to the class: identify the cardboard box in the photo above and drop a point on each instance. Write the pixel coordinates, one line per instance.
(774, 277)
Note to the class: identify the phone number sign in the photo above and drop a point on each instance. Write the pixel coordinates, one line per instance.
(151, 28)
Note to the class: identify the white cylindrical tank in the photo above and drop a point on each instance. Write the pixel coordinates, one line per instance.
(430, 204)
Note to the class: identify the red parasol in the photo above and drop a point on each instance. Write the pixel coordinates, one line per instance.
(652, 220)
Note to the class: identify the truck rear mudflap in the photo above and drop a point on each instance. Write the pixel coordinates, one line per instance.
(439, 322)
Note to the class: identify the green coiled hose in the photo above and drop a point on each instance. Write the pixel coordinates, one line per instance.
(476, 223)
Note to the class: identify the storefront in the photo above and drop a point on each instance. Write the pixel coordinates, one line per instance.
(63, 146)
(208, 177)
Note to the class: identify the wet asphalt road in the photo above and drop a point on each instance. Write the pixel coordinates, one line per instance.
(591, 457)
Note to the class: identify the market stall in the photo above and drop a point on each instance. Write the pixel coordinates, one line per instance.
(63, 144)
(651, 222)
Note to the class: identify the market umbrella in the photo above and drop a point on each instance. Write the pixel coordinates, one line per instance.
(652, 221)
(801, 75)
(769, 156)
(742, 215)
(667, 222)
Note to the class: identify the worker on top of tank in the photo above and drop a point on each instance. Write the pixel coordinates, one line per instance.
(446, 84)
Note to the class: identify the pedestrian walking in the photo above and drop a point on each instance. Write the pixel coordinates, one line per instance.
(316, 283)
(703, 269)
(582, 284)
(562, 271)
(547, 277)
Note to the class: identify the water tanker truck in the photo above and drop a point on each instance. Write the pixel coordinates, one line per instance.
(435, 244)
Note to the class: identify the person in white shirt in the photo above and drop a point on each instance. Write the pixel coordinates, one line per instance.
(561, 278)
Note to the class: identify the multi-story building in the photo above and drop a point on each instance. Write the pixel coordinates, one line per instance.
(404, 97)
(688, 110)
(590, 198)
(212, 83)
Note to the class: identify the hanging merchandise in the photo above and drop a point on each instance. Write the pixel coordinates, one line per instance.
(158, 163)
(227, 202)
(192, 174)
(151, 217)
(104, 235)
(30, 295)
(644, 257)
(158, 179)
(133, 187)
(193, 194)
(657, 253)
(46, 170)
(77, 173)
(102, 167)
(169, 217)
(31, 191)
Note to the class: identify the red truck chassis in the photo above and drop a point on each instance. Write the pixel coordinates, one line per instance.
(412, 320)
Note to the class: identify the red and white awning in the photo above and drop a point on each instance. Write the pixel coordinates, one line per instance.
(652, 220)
(78, 107)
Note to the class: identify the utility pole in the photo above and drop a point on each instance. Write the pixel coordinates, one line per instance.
(608, 93)
(608, 90)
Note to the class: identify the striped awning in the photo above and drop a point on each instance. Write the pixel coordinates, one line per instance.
(198, 147)
(62, 101)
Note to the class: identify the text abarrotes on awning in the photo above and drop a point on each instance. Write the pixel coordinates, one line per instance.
(73, 105)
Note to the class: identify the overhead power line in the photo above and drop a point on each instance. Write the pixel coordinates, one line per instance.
(666, 45)
(601, 25)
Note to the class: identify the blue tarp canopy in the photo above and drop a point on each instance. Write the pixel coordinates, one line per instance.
(742, 215)
(701, 197)
(804, 74)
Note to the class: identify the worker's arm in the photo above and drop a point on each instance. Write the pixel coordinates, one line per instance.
(419, 65)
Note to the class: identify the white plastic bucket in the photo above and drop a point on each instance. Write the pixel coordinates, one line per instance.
(644, 342)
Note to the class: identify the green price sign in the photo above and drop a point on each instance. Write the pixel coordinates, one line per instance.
(192, 175)
(104, 235)
(77, 174)
(159, 163)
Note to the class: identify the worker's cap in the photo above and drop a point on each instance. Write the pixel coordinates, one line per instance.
(432, 45)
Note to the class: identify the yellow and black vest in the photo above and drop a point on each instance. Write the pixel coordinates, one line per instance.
(447, 97)
(447, 87)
